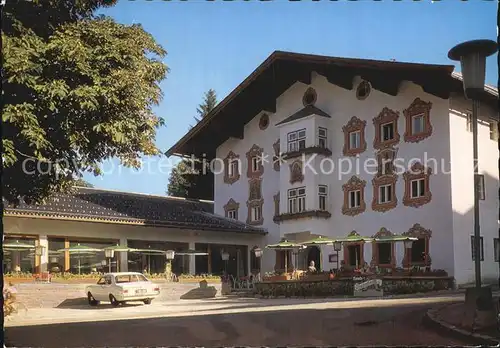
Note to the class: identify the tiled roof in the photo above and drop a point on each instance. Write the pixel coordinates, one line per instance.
(307, 111)
(89, 204)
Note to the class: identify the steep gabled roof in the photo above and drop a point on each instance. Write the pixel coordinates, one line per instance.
(258, 92)
(304, 112)
(97, 205)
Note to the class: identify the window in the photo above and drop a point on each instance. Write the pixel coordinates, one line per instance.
(322, 137)
(354, 140)
(385, 194)
(255, 164)
(384, 253)
(387, 131)
(354, 199)
(418, 188)
(493, 130)
(322, 194)
(496, 245)
(256, 213)
(481, 248)
(297, 140)
(296, 200)
(233, 168)
(418, 124)
(232, 214)
(480, 187)
(469, 121)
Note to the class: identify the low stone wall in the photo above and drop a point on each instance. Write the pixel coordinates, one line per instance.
(42, 295)
(345, 286)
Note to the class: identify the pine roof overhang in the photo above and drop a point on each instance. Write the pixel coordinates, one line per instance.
(258, 92)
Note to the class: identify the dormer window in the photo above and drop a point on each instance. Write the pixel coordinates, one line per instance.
(296, 140)
(322, 137)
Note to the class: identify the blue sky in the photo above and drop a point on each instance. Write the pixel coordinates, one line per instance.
(217, 44)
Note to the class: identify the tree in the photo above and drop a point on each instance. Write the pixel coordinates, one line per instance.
(82, 183)
(79, 89)
(187, 178)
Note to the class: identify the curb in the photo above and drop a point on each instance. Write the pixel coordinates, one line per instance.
(430, 320)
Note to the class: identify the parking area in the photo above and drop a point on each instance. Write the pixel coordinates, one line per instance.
(232, 322)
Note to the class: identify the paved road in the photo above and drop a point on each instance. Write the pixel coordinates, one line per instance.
(235, 322)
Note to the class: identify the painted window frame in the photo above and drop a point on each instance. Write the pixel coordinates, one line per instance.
(418, 108)
(296, 202)
(354, 184)
(354, 125)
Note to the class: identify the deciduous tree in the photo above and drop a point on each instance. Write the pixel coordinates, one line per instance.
(187, 179)
(78, 89)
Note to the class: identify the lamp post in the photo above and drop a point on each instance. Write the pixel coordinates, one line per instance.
(258, 254)
(169, 254)
(225, 258)
(337, 246)
(472, 56)
(408, 245)
(39, 252)
(109, 253)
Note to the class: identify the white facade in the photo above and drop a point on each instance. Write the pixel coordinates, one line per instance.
(448, 214)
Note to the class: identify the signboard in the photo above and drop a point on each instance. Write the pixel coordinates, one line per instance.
(369, 288)
(332, 258)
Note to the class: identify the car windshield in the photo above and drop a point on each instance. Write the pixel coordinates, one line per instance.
(130, 278)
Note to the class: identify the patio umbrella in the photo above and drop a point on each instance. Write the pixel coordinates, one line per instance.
(354, 237)
(285, 245)
(18, 246)
(321, 240)
(148, 252)
(79, 251)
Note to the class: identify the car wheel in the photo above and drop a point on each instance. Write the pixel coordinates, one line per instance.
(147, 301)
(113, 301)
(92, 301)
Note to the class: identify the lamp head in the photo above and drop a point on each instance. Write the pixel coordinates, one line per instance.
(472, 56)
(258, 252)
(170, 254)
(109, 253)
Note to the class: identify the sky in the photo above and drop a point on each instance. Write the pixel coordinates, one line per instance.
(218, 44)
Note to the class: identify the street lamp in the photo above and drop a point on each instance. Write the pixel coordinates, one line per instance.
(337, 246)
(39, 252)
(408, 245)
(170, 255)
(109, 253)
(472, 56)
(225, 257)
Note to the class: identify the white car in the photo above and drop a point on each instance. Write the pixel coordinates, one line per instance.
(122, 287)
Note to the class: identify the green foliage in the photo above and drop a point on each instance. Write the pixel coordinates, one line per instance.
(79, 89)
(82, 183)
(186, 178)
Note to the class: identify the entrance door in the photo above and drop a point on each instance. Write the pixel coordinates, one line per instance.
(314, 255)
(354, 255)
